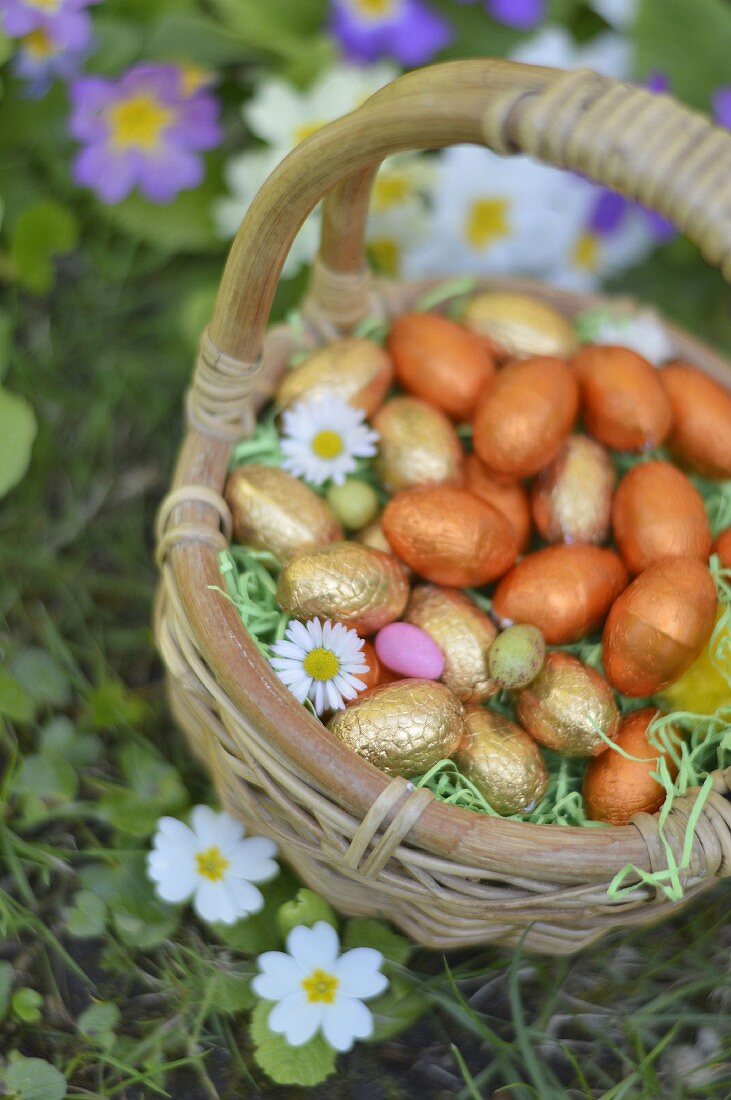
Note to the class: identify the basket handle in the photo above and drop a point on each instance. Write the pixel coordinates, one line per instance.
(645, 146)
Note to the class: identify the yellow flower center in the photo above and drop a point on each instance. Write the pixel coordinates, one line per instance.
(327, 444)
(487, 221)
(586, 252)
(138, 122)
(375, 9)
(193, 77)
(211, 864)
(320, 986)
(321, 664)
(307, 129)
(386, 255)
(38, 45)
(389, 190)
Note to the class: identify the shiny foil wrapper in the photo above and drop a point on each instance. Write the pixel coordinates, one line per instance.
(502, 761)
(418, 446)
(274, 511)
(572, 498)
(623, 402)
(565, 705)
(509, 497)
(615, 788)
(658, 626)
(357, 370)
(346, 582)
(403, 728)
(700, 437)
(373, 536)
(463, 633)
(658, 513)
(519, 326)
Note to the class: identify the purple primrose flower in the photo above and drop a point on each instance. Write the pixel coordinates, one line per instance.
(722, 106)
(144, 130)
(406, 30)
(524, 15)
(65, 22)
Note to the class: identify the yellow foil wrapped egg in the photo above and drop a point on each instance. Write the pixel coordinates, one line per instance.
(357, 370)
(519, 326)
(347, 582)
(274, 511)
(463, 633)
(572, 498)
(418, 446)
(565, 706)
(404, 728)
(502, 761)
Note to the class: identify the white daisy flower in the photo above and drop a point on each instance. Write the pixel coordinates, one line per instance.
(641, 330)
(320, 662)
(318, 989)
(322, 436)
(212, 862)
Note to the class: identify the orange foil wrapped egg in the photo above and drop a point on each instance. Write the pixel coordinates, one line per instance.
(658, 626)
(615, 787)
(701, 433)
(566, 591)
(357, 370)
(657, 513)
(565, 706)
(449, 536)
(440, 361)
(418, 446)
(625, 406)
(572, 498)
(463, 633)
(722, 547)
(524, 418)
(509, 497)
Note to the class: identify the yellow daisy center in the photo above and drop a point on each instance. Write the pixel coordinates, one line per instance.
(38, 45)
(320, 986)
(321, 664)
(386, 255)
(486, 222)
(211, 864)
(390, 190)
(327, 444)
(586, 252)
(138, 122)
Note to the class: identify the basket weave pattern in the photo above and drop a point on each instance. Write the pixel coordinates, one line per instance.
(370, 844)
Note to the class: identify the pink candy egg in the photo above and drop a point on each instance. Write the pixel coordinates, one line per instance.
(409, 651)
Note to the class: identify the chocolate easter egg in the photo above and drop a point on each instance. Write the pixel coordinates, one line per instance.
(274, 511)
(701, 432)
(722, 547)
(509, 497)
(657, 513)
(344, 581)
(524, 418)
(449, 536)
(516, 656)
(566, 591)
(403, 728)
(615, 787)
(463, 633)
(373, 536)
(359, 371)
(625, 406)
(566, 705)
(502, 761)
(418, 446)
(519, 326)
(572, 498)
(658, 626)
(441, 362)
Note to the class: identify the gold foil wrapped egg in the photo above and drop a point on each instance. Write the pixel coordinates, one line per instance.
(463, 633)
(502, 761)
(519, 326)
(373, 536)
(565, 706)
(404, 728)
(418, 446)
(274, 511)
(572, 498)
(357, 370)
(347, 582)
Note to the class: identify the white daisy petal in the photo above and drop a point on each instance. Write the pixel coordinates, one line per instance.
(341, 681)
(344, 1021)
(314, 948)
(213, 902)
(245, 897)
(215, 828)
(280, 976)
(174, 885)
(176, 832)
(321, 438)
(359, 974)
(295, 1018)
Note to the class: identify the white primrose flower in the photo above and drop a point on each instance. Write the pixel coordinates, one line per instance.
(320, 662)
(609, 54)
(213, 862)
(322, 436)
(317, 988)
(398, 218)
(641, 330)
(618, 13)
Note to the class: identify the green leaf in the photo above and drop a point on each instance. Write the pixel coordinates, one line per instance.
(139, 917)
(306, 1066)
(34, 1079)
(688, 43)
(43, 231)
(156, 789)
(198, 40)
(45, 680)
(15, 702)
(184, 225)
(7, 327)
(46, 777)
(6, 983)
(118, 43)
(112, 704)
(18, 429)
(230, 992)
(396, 1009)
(60, 737)
(98, 1023)
(307, 908)
(368, 932)
(87, 917)
(260, 931)
(26, 1005)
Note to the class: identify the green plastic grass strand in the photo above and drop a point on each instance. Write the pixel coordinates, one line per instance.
(444, 292)
(372, 328)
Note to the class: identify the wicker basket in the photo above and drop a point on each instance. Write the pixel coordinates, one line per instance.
(368, 843)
